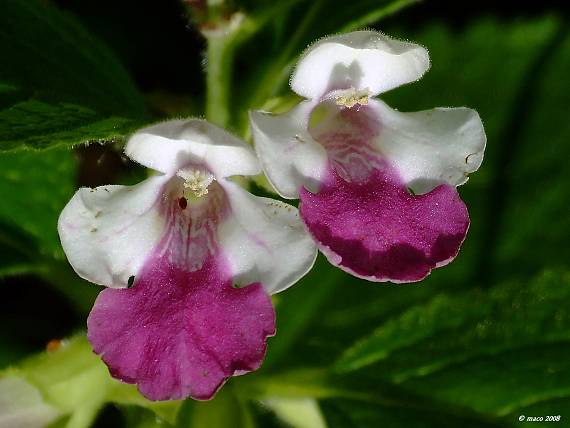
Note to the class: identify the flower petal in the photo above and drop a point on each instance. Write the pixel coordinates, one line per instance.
(168, 146)
(265, 241)
(108, 232)
(363, 60)
(178, 333)
(377, 230)
(431, 147)
(288, 153)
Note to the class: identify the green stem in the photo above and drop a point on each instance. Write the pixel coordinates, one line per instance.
(218, 79)
(220, 56)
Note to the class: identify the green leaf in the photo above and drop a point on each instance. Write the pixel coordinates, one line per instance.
(37, 125)
(49, 55)
(342, 413)
(535, 227)
(299, 389)
(470, 359)
(59, 86)
(492, 351)
(35, 187)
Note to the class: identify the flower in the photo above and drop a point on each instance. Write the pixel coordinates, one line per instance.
(190, 259)
(377, 187)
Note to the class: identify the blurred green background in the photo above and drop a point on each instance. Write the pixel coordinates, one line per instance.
(477, 344)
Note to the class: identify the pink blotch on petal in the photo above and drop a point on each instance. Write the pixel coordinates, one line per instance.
(177, 333)
(377, 230)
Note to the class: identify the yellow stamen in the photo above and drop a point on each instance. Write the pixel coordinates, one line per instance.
(352, 97)
(196, 182)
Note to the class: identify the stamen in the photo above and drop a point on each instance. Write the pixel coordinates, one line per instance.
(196, 182)
(352, 97)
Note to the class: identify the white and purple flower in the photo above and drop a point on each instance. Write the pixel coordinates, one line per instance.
(190, 259)
(377, 187)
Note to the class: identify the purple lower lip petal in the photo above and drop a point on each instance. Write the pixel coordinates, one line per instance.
(379, 231)
(177, 333)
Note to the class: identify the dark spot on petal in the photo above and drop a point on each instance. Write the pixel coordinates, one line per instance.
(468, 156)
(182, 203)
(131, 281)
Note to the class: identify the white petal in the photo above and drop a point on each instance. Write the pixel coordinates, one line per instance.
(431, 147)
(170, 145)
(360, 60)
(289, 155)
(108, 232)
(265, 241)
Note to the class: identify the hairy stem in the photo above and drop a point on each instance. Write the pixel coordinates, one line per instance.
(218, 79)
